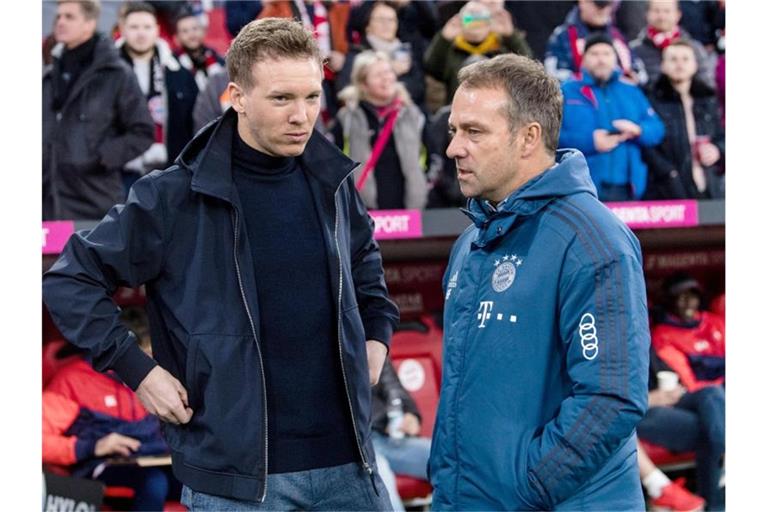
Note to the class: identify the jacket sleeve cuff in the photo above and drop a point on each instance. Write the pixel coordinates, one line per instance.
(84, 449)
(133, 365)
(379, 330)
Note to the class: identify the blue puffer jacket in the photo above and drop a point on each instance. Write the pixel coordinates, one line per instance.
(588, 107)
(545, 354)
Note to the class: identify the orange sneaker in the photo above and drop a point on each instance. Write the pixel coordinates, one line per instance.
(676, 498)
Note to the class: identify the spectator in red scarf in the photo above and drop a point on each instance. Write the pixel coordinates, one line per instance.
(663, 17)
(192, 54)
(381, 126)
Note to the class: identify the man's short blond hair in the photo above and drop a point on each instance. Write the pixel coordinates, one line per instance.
(268, 38)
(91, 9)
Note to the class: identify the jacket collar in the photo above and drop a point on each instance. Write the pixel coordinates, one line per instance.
(163, 52)
(209, 156)
(588, 79)
(569, 175)
(664, 90)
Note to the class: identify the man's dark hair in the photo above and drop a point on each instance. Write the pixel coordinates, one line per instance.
(534, 96)
(268, 38)
(90, 8)
(183, 13)
(134, 7)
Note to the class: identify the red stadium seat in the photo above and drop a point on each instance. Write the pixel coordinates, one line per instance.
(417, 358)
(51, 363)
(717, 306)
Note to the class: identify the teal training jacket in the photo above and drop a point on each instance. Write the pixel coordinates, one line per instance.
(545, 353)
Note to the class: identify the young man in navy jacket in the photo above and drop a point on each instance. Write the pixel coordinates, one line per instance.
(546, 326)
(269, 315)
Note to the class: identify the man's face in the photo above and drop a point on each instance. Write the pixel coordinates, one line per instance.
(140, 31)
(486, 151)
(687, 305)
(663, 15)
(72, 27)
(594, 15)
(679, 63)
(600, 61)
(277, 114)
(189, 33)
(380, 82)
(383, 23)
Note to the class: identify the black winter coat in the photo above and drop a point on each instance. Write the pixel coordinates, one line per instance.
(670, 163)
(103, 124)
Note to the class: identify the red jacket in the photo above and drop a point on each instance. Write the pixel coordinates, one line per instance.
(96, 391)
(58, 415)
(682, 347)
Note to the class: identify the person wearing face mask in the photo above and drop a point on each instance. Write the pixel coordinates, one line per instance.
(381, 36)
(477, 32)
(382, 127)
(691, 415)
(609, 120)
(689, 162)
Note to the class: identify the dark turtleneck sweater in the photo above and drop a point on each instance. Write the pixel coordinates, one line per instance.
(308, 413)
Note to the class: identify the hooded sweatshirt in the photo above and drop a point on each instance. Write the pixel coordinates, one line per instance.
(545, 362)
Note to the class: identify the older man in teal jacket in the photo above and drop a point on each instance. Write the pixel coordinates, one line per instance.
(546, 325)
(609, 120)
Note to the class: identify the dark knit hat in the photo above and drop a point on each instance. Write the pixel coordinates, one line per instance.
(597, 38)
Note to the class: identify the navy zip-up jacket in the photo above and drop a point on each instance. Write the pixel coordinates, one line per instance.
(545, 356)
(182, 234)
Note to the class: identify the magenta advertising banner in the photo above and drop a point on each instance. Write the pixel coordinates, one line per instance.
(657, 214)
(396, 224)
(56, 234)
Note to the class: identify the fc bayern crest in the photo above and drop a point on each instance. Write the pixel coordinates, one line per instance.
(506, 270)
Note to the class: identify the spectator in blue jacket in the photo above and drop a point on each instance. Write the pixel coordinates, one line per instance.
(609, 120)
(566, 46)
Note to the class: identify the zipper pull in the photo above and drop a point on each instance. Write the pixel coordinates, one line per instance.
(369, 469)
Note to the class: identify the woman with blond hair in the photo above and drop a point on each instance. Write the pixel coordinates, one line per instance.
(382, 128)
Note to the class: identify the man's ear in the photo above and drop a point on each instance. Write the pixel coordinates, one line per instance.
(237, 97)
(530, 135)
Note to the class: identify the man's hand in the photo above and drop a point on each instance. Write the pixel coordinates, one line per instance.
(452, 28)
(164, 396)
(605, 142)
(659, 398)
(411, 425)
(116, 444)
(501, 23)
(377, 353)
(709, 154)
(336, 60)
(628, 128)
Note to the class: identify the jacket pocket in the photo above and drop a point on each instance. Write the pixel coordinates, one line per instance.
(227, 430)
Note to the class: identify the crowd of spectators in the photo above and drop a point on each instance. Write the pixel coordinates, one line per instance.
(643, 83)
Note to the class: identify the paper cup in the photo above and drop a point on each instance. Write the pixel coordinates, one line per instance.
(667, 380)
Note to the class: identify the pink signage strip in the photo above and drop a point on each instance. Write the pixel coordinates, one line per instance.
(657, 214)
(56, 234)
(392, 224)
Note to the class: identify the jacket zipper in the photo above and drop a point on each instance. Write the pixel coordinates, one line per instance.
(366, 465)
(236, 223)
